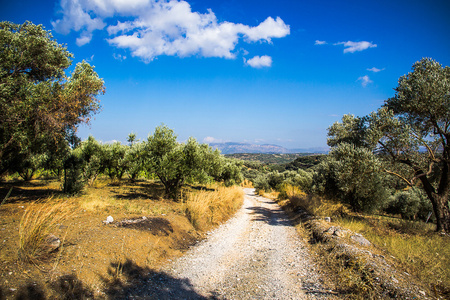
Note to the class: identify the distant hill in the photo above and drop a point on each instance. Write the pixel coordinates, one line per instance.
(232, 148)
(267, 158)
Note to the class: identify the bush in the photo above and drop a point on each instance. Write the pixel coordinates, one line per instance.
(410, 204)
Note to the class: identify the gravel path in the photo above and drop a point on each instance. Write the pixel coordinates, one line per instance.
(255, 255)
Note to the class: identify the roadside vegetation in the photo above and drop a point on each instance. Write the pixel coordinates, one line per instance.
(386, 177)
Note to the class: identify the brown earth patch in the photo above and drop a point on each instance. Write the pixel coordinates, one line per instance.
(147, 232)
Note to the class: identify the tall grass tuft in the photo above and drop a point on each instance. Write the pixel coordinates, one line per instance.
(313, 204)
(38, 222)
(205, 209)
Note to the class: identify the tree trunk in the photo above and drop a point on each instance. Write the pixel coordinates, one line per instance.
(442, 212)
(440, 202)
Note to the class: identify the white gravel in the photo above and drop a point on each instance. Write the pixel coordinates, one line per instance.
(255, 255)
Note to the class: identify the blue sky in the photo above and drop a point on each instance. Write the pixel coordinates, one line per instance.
(277, 72)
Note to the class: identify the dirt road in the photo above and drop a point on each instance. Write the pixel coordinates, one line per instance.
(255, 255)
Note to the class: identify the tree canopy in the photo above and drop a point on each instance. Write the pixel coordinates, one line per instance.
(40, 106)
(411, 133)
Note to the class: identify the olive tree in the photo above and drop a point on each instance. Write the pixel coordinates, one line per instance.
(172, 162)
(40, 106)
(413, 129)
(352, 175)
(411, 132)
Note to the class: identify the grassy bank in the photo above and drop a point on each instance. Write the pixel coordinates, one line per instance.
(412, 246)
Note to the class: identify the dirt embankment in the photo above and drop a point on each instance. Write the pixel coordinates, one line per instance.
(356, 266)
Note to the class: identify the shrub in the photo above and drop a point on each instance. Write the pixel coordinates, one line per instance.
(410, 204)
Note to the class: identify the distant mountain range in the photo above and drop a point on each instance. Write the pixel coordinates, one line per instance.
(231, 148)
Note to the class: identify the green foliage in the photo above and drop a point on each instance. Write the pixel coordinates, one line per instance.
(410, 134)
(410, 204)
(73, 179)
(113, 161)
(40, 107)
(134, 159)
(304, 162)
(352, 175)
(91, 154)
(277, 181)
(178, 163)
(351, 130)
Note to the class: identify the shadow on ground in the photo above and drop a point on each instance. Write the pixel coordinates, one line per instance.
(125, 280)
(26, 191)
(273, 217)
(141, 282)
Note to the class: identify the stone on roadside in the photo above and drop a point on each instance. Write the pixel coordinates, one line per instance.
(109, 219)
(361, 240)
(51, 243)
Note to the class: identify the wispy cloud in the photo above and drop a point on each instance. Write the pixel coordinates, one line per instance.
(119, 57)
(351, 47)
(320, 42)
(157, 28)
(375, 70)
(211, 140)
(365, 80)
(259, 61)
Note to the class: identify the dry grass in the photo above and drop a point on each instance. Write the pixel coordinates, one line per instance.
(205, 209)
(39, 220)
(103, 197)
(313, 204)
(414, 244)
(247, 184)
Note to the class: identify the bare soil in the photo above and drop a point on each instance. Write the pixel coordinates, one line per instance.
(95, 257)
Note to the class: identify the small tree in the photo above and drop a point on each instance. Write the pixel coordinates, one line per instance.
(113, 160)
(176, 163)
(352, 175)
(91, 155)
(134, 159)
(171, 161)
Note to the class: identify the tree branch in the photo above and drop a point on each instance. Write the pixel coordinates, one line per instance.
(430, 151)
(410, 183)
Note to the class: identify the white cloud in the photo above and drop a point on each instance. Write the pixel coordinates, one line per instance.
(76, 17)
(84, 39)
(375, 70)
(320, 42)
(266, 30)
(356, 46)
(157, 28)
(365, 80)
(259, 61)
(210, 140)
